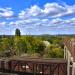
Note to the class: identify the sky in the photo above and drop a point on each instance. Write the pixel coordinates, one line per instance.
(37, 17)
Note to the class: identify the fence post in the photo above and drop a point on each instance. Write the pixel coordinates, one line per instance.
(68, 63)
(73, 68)
(65, 52)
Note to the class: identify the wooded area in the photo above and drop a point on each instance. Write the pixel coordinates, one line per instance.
(46, 46)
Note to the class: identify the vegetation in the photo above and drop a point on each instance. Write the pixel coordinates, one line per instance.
(45, 46)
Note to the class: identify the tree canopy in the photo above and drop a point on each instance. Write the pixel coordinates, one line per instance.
(33, 45)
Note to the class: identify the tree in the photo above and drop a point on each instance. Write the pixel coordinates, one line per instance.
(17, 32)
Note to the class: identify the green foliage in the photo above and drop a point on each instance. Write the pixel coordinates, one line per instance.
(33, 45)
(55, 51)
(5, 44)
(17, 44)
(41, 48)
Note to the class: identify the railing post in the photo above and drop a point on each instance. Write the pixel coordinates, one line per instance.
(9, 66)
(34, 69)
(42, 69)
(2, 66)
(73, 68)
(50, 69)
(65, 52)
(68, 64)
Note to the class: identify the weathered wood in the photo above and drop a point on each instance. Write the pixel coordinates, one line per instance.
(35, 66)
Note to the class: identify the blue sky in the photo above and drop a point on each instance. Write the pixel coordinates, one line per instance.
(37, 16)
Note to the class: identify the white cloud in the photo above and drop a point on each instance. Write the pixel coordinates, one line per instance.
(56, 21)
(53, 9)
(33, 11)
(56, 25)
(70, 10)
(49, 10)
(70, 21)
(2, 24)
(22, 14)
(42, 20)
(6, 12)
(11, 23)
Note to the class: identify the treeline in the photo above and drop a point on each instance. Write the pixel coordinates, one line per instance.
(32, 46)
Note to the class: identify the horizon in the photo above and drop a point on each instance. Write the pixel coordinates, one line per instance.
(37, 17)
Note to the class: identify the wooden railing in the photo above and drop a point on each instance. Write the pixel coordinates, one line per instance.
(70, 44)
(35, 66)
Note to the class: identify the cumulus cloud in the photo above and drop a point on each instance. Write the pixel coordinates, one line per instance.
(53, 9)
(2, 25)
(43, 26)
(49, 10)
(70, 10)
(6, 12)
(56, 21)
(33, 11)
(42, 20)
